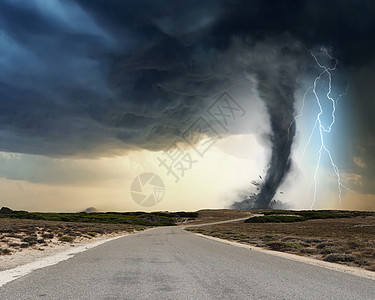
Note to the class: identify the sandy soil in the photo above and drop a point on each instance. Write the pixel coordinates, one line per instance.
(35, 253)
(23, 241)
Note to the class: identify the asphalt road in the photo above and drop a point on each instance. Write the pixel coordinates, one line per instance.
(170, 263)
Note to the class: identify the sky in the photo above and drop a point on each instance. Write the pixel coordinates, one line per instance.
(217, 99)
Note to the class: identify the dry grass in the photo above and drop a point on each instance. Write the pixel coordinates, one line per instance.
(349, 241)
(18, 234)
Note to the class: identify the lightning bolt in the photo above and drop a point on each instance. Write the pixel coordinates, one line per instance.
(318, 125)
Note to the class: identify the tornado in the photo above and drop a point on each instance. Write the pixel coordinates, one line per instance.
(276, 89)
(277, 92)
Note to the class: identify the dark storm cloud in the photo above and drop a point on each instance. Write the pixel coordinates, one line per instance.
(346, 25)
(364, 138)
(95, 77)
(118, 81)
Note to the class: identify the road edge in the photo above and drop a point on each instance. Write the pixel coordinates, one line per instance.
(307, 260)
(9, 275)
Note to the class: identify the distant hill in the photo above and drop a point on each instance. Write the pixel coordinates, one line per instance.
(90, 210)
(6, 210)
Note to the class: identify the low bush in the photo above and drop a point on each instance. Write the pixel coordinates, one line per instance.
(322, 214)
(16, 236)
(325, 244)
(354, 244)
(283, 246)
(29, 239)
(309, 250)
(337, 257)
(5, 251)
(48, 235)
(275, 219)
(134, 218)
(67, 238)
(329, 250)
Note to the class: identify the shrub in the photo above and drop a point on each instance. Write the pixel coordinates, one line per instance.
(29, 239)
(355, 244)
(67, 238)
(325, 244)
(5, 251)
(312, 240)
(329, 250)
(336, 257)
(325, 214)
(275, 219)
(48, 235)
(309, 250)
(283, 246)
(16, 236)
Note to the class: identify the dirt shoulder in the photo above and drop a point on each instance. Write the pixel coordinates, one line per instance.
(25, 241)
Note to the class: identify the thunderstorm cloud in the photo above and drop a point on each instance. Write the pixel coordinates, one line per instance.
(98, 78)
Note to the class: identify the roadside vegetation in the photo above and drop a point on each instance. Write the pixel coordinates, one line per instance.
(344, 237)
(275, 219)
(19, 234)
(34, 230)
(280, 216)
(132, 218)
